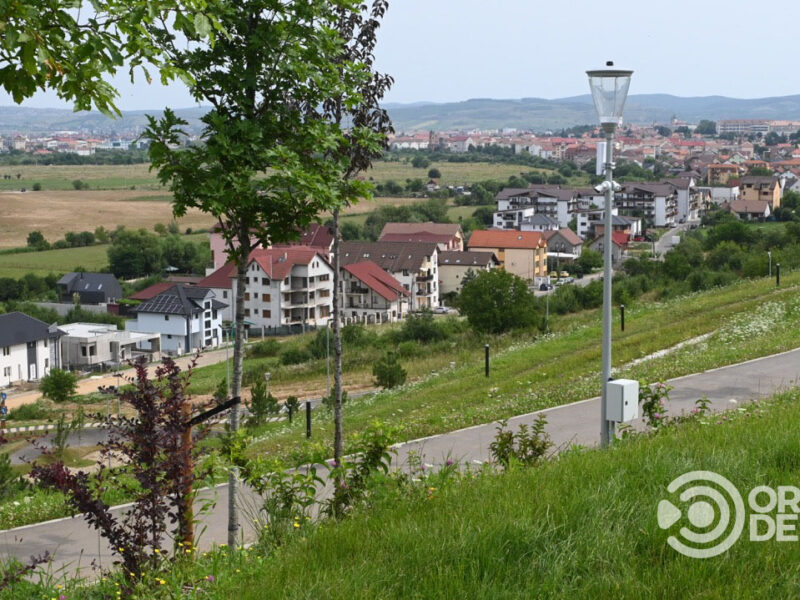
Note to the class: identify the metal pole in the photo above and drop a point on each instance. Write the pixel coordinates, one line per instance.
(622, 316)
(778, 274)
(308, 419)
(486, 359)
(606, 427)
(770, 263)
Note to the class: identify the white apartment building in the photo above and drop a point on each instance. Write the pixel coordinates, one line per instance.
(28, 348)
(287, 286)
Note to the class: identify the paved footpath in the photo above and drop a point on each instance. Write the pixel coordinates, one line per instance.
(76, 545)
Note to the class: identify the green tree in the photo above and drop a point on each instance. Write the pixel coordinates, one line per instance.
(388, 371)
(265, 170)
(36, 240)
(496, 301)
(434, 173)
(59, 385)
(663, 131)
(135, 254)
(420, 162)
(706, 127)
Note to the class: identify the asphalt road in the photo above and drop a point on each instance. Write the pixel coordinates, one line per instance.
(76, 545)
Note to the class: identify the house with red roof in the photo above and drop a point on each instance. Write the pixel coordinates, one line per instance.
(448, 236)
(523, 253)
(618, 249)
(371, 295)
(221, 284)
(287, 288)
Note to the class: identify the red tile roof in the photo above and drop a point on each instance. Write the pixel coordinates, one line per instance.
(375, 278)
(277, 263)
(422, 236)
(221, 278)
(496, 238)
(152, 291)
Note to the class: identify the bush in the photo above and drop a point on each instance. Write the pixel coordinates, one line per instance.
(262, 404)
(37, 187)
(388, 371)
(321, 344)
(29, 412)
(407, 349)
(79, 184)
(422, 328)
(265, 348)
(295, 356)
(59, 385)
(528, 446)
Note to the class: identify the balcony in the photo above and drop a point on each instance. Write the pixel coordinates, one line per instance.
(355, 289)
(428, 277)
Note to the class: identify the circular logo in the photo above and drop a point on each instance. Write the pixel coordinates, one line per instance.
(712, 530)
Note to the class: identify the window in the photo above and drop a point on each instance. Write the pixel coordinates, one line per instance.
(246, 296)
(215, 313)
(265, 280)
(247, 280)
(166, 317)
(6, 371)
(267, 314)
(286, 281)
(83, 350)
(208, 324)
(207, 305)
(246, 312)
(46, 362)
(324, 277)
(93, 350)
(45, 343)
(225, 294)
(266, 297)
(169, 337)
(255, 312)
(324, 293)
(6, 350)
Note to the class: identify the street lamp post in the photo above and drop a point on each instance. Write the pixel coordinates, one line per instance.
(267, 376)
(769, 253)
(609, 90)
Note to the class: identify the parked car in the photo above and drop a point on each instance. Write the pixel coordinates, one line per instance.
(441, 310)
(545, 287)
(564, 274)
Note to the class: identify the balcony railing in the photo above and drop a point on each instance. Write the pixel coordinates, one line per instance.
(428, 277)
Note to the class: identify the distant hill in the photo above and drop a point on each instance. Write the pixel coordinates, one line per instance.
(20, 119)
(540, 114)
(537, 114)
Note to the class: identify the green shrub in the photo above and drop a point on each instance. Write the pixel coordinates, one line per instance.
(264, 349)
(388, 371)
(321, 344)
(10, 482)
(29, 412)
(59, 385)
(421, 327)
(295, 356)
(407, 349)
(262, 404)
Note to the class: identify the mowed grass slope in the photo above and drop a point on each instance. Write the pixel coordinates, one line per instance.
(582, 526)
(747, 320)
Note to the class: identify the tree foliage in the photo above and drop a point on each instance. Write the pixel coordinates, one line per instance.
(496, 301)
(72, 46)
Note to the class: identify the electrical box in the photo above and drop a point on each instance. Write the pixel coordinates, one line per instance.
(622, 400)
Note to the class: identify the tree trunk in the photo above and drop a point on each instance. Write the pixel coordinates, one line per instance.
(338, 441)
(241, 255)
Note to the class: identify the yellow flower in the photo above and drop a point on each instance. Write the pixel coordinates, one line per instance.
(157, 551)
(296, 525)
(162, 581)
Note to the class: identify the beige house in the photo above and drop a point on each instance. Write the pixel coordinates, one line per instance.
(453, 266)
(447, 236)
(523, 253)
(764, 189)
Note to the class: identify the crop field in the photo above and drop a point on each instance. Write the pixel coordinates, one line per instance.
(56, 213)
(98, 177)
(452, 173)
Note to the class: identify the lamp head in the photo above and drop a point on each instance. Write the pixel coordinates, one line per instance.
(609, 90)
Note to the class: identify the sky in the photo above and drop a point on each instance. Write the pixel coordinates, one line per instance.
(453, 50)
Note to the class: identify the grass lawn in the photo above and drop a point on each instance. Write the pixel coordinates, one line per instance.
(99, 177)
(582, 526)
(747, 320)
(91, 258)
